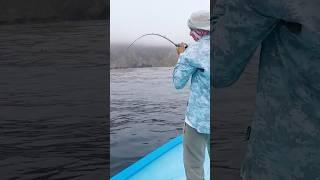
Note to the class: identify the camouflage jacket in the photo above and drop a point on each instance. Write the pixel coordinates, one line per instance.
(285, 134)
(194, 64)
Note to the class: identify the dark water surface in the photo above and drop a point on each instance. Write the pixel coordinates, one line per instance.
(53, 101)
(146, 111)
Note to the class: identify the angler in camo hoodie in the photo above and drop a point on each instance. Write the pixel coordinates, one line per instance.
(194, 64)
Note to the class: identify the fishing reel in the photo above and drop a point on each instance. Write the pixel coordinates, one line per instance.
(186, 46)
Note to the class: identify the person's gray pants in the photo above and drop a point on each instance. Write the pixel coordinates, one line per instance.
(194, 146)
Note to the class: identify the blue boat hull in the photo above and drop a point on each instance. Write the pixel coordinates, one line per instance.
(165, 163)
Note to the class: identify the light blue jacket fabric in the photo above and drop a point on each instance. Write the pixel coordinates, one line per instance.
(285, 135)
(189, 65)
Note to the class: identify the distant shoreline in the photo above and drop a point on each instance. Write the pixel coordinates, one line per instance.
(118, 68)
(141, 56)
(126, 44)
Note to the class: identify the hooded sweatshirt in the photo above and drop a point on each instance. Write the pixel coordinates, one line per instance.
(194, 64)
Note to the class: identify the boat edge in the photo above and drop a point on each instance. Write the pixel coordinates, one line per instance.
(141, 163)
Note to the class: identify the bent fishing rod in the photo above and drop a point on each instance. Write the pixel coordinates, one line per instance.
(155, 34)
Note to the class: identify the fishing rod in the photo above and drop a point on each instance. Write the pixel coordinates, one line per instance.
(155, 34)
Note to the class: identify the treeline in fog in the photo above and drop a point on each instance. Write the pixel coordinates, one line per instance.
(142, 56)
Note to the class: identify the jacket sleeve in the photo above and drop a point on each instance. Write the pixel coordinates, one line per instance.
(182, 71)
(238, 28)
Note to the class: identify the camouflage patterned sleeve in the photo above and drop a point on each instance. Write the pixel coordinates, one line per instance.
(237, 30)
(182, 72)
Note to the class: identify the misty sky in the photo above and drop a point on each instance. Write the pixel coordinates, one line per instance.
(131, 18)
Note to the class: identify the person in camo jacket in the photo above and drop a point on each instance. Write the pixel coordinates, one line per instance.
(285, 133)
(194, 64)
